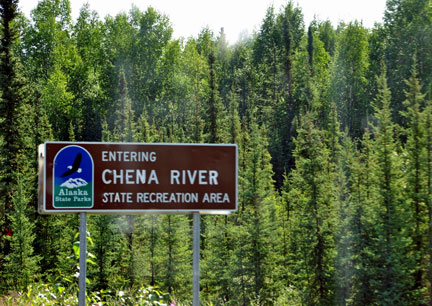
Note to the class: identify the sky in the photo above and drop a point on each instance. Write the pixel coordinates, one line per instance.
(237, 17)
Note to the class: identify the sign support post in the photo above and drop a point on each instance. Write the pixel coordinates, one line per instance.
(196, 258)
(82, 260)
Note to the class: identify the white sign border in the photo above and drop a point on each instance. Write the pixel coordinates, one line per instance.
(42, 187)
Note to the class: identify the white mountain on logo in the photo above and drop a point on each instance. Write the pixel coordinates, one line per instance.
(74, 183)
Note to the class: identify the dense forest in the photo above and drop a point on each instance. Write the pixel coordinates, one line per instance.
(333, 125)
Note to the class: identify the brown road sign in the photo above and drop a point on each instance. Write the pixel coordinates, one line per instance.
(132, 178)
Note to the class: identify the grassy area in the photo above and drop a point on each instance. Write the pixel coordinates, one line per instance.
(43, 294)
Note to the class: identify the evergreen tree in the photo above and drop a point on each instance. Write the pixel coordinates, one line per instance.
(234, 119)
(15, 116)
(392, 263)
(258, 222)
(124, 117)
(223, 55)
(245, 78)
(327, 35)
(415, 175)
(343, 264)
(427, 140)
(267, 53)
(105, 235)
(21, 265)
(218, 258)
(408, 28)
(144, 131)
(220, 237)
(294, 90)
(214, 105)
(287, 246)
(362, 190)
(176, 266)
(310, 46)
(376, 46)
(152, 232)
(311, 195)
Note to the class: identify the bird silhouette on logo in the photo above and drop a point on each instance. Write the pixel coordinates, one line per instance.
(75, 166)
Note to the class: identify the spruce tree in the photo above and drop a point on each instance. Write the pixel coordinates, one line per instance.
(218, 258)
(311, 195)
(168, 256)
(362, 190)
(149, 235)
(310, 46)
(219, 238)
(124, 116)
(106, 237)
(42, 132)
(427, 140)
(234, 119)
(291, 87)
(214, 107)
(287, 246)
(144, 131)
(21, 265)
(343, 264)
(415, 175)
(256, 251)
(16, 119)
(392, 264)
(407, 25)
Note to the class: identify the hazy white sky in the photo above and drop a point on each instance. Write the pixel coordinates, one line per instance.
(235, 16)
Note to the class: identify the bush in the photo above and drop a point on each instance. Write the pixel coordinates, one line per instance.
(46, 295)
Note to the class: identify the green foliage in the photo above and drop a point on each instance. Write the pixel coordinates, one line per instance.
(175, 255)
(106, 242)
(325, 217)
(408, 27)
(21, 264)
(427, 140)
(44, 295)
(213, 107)
(349, 83)
(311, 196)
(59, 101)
(393, 219)
(16, 119)
(358, 233)
(416, 177)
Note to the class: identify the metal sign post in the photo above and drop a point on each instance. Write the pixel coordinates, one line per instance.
(196, 258)
(82, 260)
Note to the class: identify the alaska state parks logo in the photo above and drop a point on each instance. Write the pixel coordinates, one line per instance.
(73, 178)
